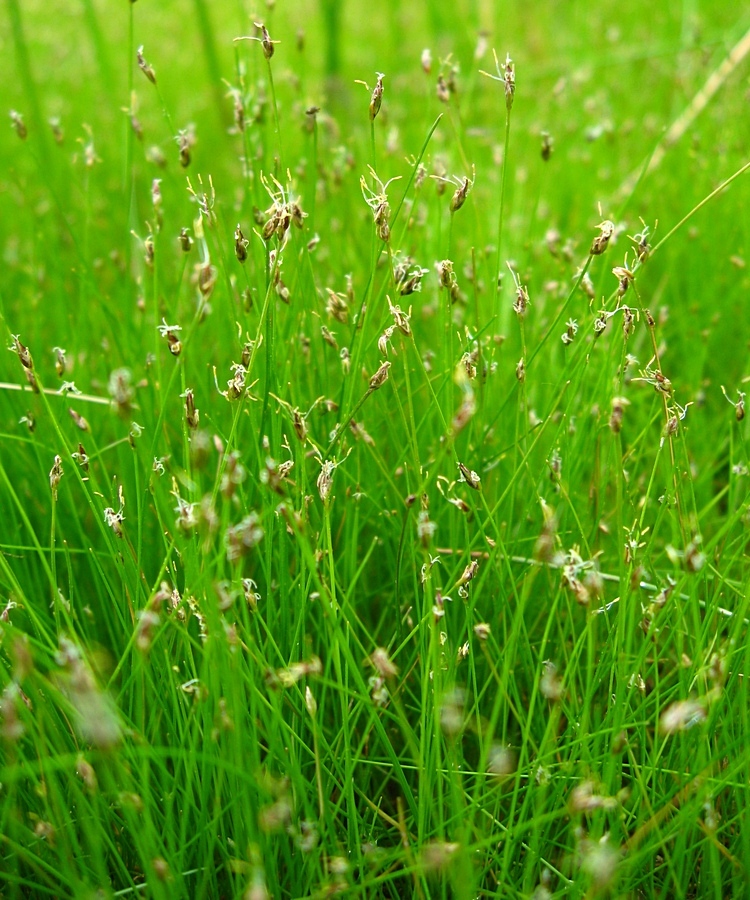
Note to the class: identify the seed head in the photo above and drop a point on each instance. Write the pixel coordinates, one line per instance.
(81, 457)
(170, 332)
(571, 330)
(114, 520)
(599, 244)
(329, 337)
(426, 528)
(337, 307)
(57, 131)
(618, 411)
(547, 146)
(192, 415)
(18, 124)
(60, 361)
(445, 273)
(681, 716)
(241, 538)
(383, 664)
(509, 76)
(461, 193)
(55, 476)
(469, 572)
(470, 477)
(325, 480)
(739, 405)
(147, 69)
(380, 377)
(442, 90)
(240, 244)
(22, 352)
(550, 684)
(384, 340)
(377, 96)
(184, 142)
(522, 303)
(80, 422)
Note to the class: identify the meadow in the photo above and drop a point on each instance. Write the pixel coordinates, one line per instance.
(373, 450)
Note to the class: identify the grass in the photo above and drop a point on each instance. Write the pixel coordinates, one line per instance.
(386, 543)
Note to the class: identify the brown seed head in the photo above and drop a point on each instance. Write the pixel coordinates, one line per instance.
(147, 69)
(380, 377)
(547, 146)
(240, 244)
(265, 40)
(470, 477)
(55, 476)
(461, 193)
(377, 96)
(599, 244)
(18, 124)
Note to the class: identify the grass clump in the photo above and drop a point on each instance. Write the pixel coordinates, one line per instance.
(374, 519)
